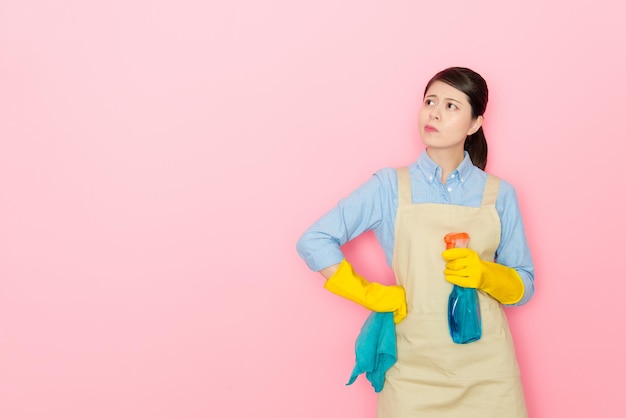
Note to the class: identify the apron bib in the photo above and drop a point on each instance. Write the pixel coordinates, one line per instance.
(434, 377)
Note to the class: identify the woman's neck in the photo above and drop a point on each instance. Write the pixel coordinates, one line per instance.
(448, 160)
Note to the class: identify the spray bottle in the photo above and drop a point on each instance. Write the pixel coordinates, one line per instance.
(463, 306)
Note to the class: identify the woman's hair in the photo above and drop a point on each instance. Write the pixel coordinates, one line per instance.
(475, 88)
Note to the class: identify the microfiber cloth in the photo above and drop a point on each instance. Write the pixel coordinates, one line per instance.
(375, 349)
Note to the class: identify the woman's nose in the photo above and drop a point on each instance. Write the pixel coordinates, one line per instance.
(435, 113)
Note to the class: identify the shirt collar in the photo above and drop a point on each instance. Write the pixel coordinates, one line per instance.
(433, 172)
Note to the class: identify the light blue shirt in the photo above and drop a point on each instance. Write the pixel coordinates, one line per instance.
(373, 206)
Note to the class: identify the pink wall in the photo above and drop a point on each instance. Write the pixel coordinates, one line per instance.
(159, 159)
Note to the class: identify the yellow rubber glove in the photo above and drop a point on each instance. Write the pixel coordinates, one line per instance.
(465, 268)
(374, 296)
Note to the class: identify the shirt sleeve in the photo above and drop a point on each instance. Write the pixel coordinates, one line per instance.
(513, 250)
(362, 210)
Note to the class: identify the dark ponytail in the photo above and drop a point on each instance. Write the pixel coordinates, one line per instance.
(475, 88)
(476, 146)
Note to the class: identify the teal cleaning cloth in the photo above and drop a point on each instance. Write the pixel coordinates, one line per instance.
(375, 349)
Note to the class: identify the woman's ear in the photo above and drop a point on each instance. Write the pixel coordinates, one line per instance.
(478, 122)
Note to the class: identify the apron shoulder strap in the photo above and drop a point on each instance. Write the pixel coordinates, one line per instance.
(490, 194)
(404, 186)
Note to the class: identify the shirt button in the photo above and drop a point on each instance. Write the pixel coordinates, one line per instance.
(449, 189)
(453, 175)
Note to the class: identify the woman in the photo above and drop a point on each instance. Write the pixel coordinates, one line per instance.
(410, 210)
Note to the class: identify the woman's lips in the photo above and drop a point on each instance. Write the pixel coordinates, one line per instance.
(429, 128)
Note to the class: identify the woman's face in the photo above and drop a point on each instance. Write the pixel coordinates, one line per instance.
(445, 119)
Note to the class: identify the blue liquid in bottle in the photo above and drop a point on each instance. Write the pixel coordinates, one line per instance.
(464, 315)
(463, 306)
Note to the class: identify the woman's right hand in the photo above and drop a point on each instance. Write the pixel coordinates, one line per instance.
(345, 282)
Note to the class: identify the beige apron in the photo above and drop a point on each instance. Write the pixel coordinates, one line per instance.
(433, 376)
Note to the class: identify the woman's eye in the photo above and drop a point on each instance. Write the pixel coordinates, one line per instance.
(429, 102)
(452, 106)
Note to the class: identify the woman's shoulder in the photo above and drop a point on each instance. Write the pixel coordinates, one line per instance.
(506, 191)
(506, 187)
(385, 180)
(387, 176)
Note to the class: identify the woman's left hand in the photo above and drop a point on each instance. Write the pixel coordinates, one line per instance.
(465, 268)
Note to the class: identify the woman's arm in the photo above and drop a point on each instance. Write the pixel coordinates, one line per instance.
(513, 250)
(320, 245)
(329, 271)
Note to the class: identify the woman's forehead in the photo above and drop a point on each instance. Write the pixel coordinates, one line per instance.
(439, 89)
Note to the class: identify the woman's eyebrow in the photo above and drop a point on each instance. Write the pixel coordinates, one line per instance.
(445, 98)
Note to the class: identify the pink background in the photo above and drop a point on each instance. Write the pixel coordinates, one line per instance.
(159, 160)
